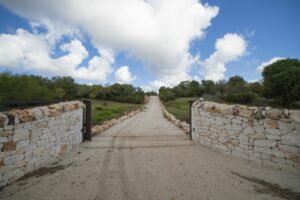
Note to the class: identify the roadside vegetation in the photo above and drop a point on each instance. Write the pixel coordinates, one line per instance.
(180, 108)
(105, 110)
(280, 87)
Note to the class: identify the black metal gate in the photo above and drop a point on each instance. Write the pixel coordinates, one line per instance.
(87, 118)
(191, 127)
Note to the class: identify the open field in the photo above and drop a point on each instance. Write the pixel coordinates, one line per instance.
(180, 108)
(106, 110)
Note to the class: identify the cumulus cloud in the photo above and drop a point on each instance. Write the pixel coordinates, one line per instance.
(123, 75)
(32, 52)
(261, 67)
(228, 48)
(156, 32)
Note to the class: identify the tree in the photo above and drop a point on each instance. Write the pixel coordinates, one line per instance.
(208, 86)
(221, 87)
(166, 94)
(67, 84)
(236, 84)
(281, 81)
(24, 87)
(256, 87)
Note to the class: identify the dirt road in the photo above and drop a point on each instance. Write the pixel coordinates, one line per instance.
(147, 157)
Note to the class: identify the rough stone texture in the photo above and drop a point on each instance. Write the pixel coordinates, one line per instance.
(267, 136)
(37, 136)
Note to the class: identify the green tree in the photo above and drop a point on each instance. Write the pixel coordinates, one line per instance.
(67, 84)
(236, 84)
(208, 86)
(166, 94)
(281, 81)
(221, 87)
(256, 87)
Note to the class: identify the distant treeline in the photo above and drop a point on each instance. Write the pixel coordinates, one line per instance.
(29, 87)
(280, 86)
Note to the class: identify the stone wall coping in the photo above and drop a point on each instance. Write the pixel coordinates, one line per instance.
(248, 111)
(16, 116)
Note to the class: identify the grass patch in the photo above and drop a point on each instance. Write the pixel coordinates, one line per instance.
(106, 110)
(180, 108)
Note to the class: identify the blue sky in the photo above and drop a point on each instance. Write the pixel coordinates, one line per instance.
(166, 45)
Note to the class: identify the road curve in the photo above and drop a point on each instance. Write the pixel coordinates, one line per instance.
(147, 157)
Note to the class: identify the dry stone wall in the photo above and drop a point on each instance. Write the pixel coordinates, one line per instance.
(32, 138)
(269, 137)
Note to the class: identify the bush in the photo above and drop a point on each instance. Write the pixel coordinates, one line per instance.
(166, 94)
(243, 97)
(281, 81)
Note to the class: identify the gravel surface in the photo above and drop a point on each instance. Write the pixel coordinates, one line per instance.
(147, 157)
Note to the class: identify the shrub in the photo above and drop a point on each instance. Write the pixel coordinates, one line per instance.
(243, 97)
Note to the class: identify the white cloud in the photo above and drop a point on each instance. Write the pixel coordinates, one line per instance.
(229, 48)
(261, 67)
(123, 75)
(32, 52)
(156, 32)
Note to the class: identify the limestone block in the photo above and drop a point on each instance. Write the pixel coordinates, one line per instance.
(41, 124)
(287, 148)
(38, 114)
(21, 163)
(21, 134)
(286, 126)
(294, 157)
(269, 123)
(13, 158)
(23, 115)
(273, 137)
(223, 139)
(236, 121)
(259, 129)
(9, 146)
(292, 139)
(294, 115)
(248, 131)
(243, 111)
(3, 120)
(278, 153)
(243, 138)
(273, 131)
(225, 109)
(226, 120)
(218, 121)
(275, 114)
(38, 151)
(56, 109)
(265, 143)
(63, 150)
(266, 156)
(236, 127)
(22, 143)
(3, 139)
(257, 136)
